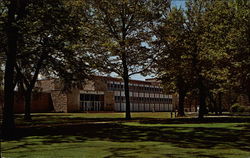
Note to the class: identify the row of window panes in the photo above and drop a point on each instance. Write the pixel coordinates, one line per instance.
(134, 88)
(91, 105)
(91, 97)
(143, 99)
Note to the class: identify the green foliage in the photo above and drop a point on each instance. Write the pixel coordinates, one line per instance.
(50, 35)
(3, 44)
(48, 38)
(207, 48)
(122, 33)
(237, 108)
(3, 19)
(174, 65)
(247, 109)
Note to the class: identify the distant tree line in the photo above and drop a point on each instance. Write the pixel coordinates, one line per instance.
(202, 49)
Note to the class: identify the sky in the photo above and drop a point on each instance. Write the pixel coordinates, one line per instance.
(177, 3)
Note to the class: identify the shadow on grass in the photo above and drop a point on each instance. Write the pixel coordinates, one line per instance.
(79, 130)
(185, 137)
(43, 120)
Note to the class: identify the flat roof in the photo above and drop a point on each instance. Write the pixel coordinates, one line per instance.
(117, 79)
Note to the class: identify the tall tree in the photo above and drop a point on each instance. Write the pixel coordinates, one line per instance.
(174, 64)
(123, 30)
(225, 48)
(186, 37)
(3, 21)
(49, 35)
(42, 38)
(195, 25)
(12, 35)
(218, 21)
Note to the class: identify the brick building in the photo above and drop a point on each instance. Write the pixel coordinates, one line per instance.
(41, 102)
(107, 94)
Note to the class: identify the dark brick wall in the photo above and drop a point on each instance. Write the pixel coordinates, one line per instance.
(41, 102)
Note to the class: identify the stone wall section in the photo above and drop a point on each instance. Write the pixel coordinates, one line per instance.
(59, 100)
(73, 100)
(100, 85)
(89, 86)
(109, 102)
(46, 85)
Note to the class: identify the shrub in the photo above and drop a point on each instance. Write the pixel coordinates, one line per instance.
(237, 108)
(247, 109)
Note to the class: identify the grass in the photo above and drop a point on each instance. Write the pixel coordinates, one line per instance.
(108, 135)
(237, 126)
(62, 118)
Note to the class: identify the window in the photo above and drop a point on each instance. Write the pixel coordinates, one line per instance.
(91, 97)
(116, 86)
(87, 97)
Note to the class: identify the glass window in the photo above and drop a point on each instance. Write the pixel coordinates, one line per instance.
(87, 97)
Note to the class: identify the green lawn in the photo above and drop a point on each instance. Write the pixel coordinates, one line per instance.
(108, 135)
(59, 118)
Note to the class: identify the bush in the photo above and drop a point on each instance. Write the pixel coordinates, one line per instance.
(237, 108)
(247, 109)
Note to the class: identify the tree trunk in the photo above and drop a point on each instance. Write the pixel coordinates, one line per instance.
(27, 101)
(126, 81)
(220, 103)
(30, 85)
(8, 116)
(216, 109)
(213, 101)
(28, 93)
(182, 95)
(248, 97)
(202, 99)
(126, 86)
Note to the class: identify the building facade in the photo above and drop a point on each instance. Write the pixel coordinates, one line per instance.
(107, 94)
